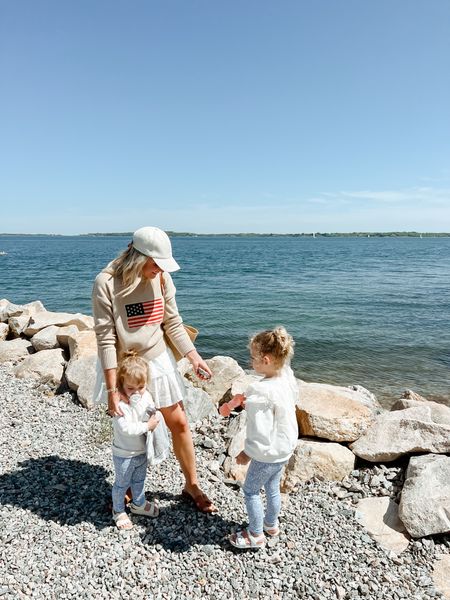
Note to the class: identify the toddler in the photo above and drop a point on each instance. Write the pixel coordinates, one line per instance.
(129, 447)
(271, 436)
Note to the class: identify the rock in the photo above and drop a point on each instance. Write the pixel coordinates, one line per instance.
(17, 325)
(332, 412)
(439, 412)
(440, 575)
(239, 386)
(198, 405)
(15, 350)
(63, 335)
(80, 376)
(225, 370)
(393, 434)
(4, 330)
(46, 366)
(81, 369)
(380, 517)
(45, 339)
(410, 395)
(236, 433)
(425, 501)
(313, 458)
(366, 398)
(45, 319)
(8, 309)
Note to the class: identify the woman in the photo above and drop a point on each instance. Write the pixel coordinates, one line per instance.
(134, 307)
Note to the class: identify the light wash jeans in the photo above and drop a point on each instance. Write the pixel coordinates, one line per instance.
(262, 475)
(130, 472)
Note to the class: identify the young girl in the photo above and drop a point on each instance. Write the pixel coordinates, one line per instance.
(272, 433)
(129, 441)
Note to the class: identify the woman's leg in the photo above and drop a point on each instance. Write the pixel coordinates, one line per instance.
(177, 422)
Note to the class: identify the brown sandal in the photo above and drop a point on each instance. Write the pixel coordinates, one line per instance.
(201, 502)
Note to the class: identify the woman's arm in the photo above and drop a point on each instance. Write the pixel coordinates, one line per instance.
(173, 328)
(113, 393)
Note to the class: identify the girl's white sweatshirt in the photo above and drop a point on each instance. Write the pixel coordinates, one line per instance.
(130, 430)
(272, 429)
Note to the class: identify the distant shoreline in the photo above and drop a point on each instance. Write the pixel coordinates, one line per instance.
(362, 234)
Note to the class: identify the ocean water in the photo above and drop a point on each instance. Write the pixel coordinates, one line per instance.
(368, 311)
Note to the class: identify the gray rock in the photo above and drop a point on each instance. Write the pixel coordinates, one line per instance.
(45, 339)
(380, 517)
(313, 458)
(425, 501)
(4, 330)
(15, 350)
(45, 366)
(400, 432)
(332, 412)
(45, 319)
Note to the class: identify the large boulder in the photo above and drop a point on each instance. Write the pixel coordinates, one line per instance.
(425, 501)
(197, 404)
(45, 339)
(236, 434)
(8, 309)
(46, 366)
(313, 458)
(4, 330)
(379, 516)
(64, 334)
(45, 319)
(225, 370)
(441, 569)
(400, 432)
(81, 369)
(15, 350)
(332, 412)
(439, 412)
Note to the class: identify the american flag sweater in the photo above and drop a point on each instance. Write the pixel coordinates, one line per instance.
(133, 317)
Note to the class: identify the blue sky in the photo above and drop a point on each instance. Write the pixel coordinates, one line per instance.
(213, 116)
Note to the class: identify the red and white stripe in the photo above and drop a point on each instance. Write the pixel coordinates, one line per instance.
(153, 313)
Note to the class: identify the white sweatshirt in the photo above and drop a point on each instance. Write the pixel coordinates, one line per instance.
(272, 429)
(130, 430)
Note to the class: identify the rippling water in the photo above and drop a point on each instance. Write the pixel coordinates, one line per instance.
(369, 311)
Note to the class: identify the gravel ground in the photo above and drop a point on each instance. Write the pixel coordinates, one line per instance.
(57, 539)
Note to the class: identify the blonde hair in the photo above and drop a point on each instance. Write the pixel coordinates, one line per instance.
(128, 265)
(131, 367)
(275, 342)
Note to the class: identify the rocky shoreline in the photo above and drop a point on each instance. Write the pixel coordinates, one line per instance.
(357, 469)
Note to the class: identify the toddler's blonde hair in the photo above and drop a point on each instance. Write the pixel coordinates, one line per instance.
(278, 343)
(133, 368)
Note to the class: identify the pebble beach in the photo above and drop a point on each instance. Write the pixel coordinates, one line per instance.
(57, 539)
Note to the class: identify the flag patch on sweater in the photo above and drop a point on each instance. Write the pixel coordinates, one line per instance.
(144, 313)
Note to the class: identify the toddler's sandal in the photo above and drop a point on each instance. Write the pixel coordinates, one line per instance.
(244, 540)
(122, 521)
(148, 509)
(272, 530)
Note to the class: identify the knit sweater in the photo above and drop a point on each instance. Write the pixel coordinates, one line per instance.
(134, 317)
(272, 429)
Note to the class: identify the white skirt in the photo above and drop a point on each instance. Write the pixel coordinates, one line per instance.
(166, 385)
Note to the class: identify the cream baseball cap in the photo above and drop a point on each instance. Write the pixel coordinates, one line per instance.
(155, 243)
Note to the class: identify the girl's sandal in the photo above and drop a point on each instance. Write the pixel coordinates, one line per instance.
(272, 531)
(244, 540)
(122, 521)
(148, 509)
